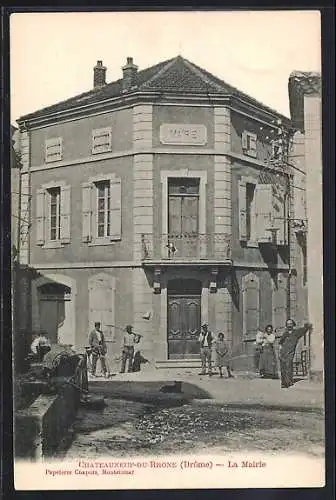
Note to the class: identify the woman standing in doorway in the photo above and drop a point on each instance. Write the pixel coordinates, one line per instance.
(268, 361)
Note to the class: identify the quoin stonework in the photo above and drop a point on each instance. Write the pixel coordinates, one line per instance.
(165, 199)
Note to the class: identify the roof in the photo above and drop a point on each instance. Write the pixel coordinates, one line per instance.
(301, 83)
(176, 75)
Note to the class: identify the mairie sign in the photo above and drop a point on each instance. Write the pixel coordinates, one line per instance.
(177, 133)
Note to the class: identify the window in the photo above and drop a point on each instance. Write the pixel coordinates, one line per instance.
(53, 149)
(101, 140)
(101, 210)
(262, 213)
(249, 143)
(55, 213)
(53, 207)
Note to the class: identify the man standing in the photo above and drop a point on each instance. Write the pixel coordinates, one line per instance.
(258, 349)
(206, 339)
(288, 343)
(98, 348)
(129, 340)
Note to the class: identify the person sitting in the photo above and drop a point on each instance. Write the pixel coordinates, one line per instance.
(40, 346)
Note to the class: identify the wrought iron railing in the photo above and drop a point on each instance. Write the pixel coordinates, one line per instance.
(185, 247)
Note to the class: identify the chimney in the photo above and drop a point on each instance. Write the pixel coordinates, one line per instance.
(99, 75)
(129, 75)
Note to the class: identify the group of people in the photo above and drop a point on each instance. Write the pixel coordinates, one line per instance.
(210, 344)
(265, 355)
(129, 358)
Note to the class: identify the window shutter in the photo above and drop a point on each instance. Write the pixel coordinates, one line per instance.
(101, 304)
(86, 212)
(264, 212)
(244, 140)
(250, 290)
(242, 210)
(115, 214)
(279, 214)
(279, 302)
(65, 213)
(40, 217)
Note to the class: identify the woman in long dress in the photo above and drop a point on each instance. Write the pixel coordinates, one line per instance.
(268, 361)
(223, 357)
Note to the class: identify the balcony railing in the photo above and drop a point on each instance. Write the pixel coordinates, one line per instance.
(186, 247)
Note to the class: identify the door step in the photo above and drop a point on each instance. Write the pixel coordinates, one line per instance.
(178, 363)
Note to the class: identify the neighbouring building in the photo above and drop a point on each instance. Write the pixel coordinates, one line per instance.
(305, 90)
(21, 275)
(164, 200)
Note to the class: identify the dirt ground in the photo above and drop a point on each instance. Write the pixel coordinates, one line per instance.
(128, 428)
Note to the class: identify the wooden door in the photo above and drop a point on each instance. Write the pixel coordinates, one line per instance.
(184, 321)
(51, 316)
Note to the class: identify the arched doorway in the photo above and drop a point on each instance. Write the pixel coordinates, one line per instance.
(184, 318)
(52, 309)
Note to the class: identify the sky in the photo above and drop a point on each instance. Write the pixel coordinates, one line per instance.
(52, 55)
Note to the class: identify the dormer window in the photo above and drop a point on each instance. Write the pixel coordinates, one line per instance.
(249, 144)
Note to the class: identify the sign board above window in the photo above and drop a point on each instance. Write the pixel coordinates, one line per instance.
(183, 134)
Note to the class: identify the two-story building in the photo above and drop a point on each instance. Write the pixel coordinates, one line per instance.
(162, 200)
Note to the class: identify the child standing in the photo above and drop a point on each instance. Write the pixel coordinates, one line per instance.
(223, 355)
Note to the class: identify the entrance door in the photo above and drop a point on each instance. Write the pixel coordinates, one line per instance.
(184, 319)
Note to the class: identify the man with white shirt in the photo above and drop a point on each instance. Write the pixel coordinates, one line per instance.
(98, 349)
(206, 339)
(129, 340)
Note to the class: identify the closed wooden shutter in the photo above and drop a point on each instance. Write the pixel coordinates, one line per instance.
(244, 141)
(264, 212)
(65, 213)
(242, 210)
(40, 216)
(115, 210)
(86, 212)
(101, 304)
(279, 214)
(250, 299)
(279, 302)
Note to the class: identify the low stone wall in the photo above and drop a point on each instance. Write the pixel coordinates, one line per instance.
(39, 429)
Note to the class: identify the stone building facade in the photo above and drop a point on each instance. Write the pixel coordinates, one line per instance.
(160, 200)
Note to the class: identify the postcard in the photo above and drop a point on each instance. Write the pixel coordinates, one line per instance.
(167, 290)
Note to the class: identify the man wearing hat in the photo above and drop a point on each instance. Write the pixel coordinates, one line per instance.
(206, 339)
(129, 340)
(98, 349)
